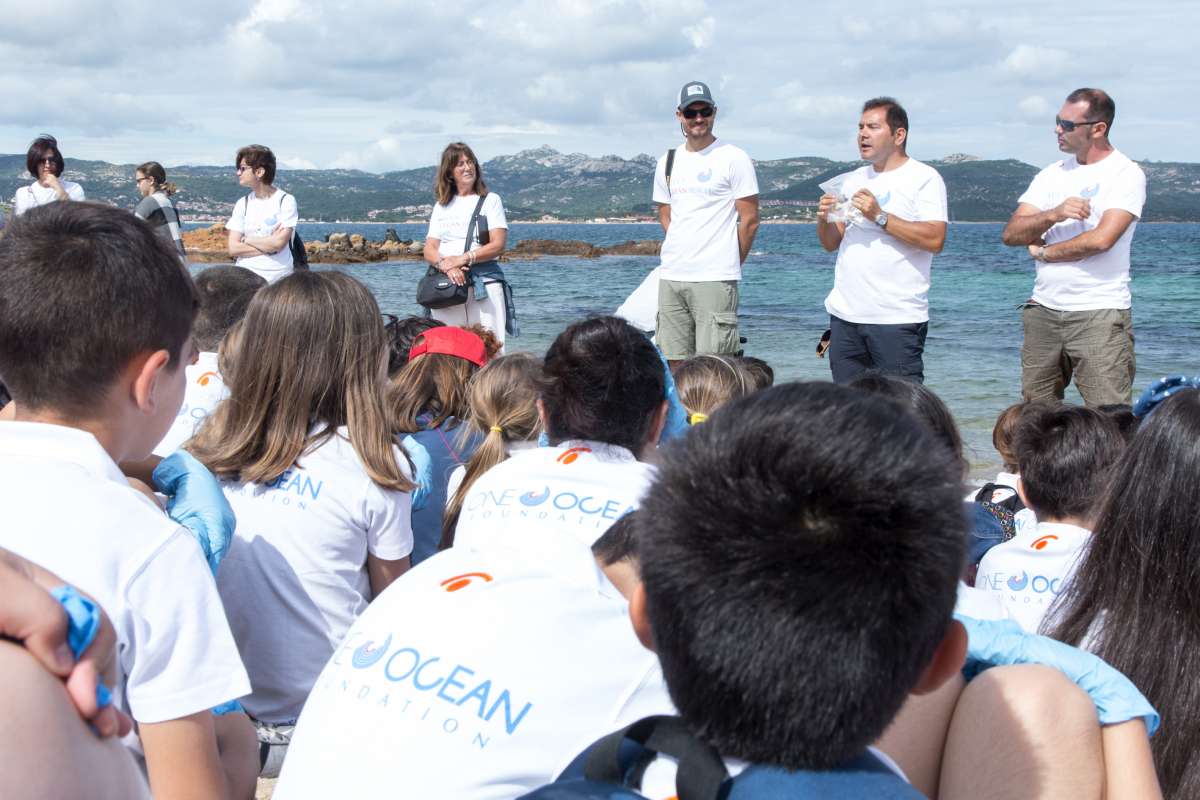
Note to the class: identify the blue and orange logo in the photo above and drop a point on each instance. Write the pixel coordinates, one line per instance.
(570, 455)
(1041, 542)
(365, 655)
(206, 377)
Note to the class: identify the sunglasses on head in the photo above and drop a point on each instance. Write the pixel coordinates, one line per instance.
(1068, 126)
(703, 111)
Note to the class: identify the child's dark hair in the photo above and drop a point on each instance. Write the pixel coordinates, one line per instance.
(792, 623)
(604, 381)
(224, 291)
(401, 333)
(84, 288)
(618, 543)
(922, 402)
(1065, 454)
(761, 371)
(1122, 414)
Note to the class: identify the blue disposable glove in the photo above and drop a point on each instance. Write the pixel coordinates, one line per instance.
(1160, 390)
(195, 501)
(229, 707)
(422, 471)
(994, 643)
(83, 623)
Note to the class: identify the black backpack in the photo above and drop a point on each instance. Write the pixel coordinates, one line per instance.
(299, 254)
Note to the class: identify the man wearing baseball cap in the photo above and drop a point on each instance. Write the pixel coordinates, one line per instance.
(707, 196)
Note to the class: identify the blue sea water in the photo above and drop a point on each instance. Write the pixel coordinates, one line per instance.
(972, 356)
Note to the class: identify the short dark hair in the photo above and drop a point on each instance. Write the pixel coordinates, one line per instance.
(603, 381)
(224, 292)
(1100, 106)
(39, 149)
(401, 333)
(797, 599)
(921, 401)
(1065, 454)
(1122, 414)
(897, 117)
(617, 543)
(84, 288)
(257, 155)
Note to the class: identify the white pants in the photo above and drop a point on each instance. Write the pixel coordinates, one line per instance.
(489, 313)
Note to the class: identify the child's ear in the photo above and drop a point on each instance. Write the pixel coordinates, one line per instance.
(148, 371)
(947, 660)
(1021, 492)
(639, 617)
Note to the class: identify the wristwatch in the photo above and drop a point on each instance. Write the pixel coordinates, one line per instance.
(1041, 253)
(882, 219)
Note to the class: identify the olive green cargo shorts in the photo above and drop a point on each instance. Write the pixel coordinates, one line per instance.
(698, 317)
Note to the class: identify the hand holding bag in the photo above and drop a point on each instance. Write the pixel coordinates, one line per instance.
(435, 289)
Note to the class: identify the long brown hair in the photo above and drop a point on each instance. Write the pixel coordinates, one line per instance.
(312, 359)
(155, 172)
(433, 383)
(444, 187)
(503, 398)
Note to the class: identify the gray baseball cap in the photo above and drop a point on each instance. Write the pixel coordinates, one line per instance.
(695, 92)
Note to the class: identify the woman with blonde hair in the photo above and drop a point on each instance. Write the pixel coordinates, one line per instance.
(156, 206)
(305, 450)
(467, 233)
(706, 382)
(503, 397)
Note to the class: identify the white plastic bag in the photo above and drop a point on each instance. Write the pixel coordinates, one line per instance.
(843, 211)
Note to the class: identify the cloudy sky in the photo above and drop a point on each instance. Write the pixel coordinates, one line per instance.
(381, 85)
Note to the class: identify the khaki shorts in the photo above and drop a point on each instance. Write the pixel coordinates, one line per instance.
(697, 318)
(1093, 347)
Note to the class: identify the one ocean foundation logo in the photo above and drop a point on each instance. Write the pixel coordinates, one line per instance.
(1088, 192)
(883, 201)
(706, 176)
(425, 690)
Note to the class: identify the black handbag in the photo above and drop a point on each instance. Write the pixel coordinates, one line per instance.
(435, 289)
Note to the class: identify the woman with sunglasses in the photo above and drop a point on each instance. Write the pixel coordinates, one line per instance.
(45, 163)
(156, 206)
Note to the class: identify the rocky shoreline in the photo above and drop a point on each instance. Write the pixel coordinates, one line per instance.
(208, 245)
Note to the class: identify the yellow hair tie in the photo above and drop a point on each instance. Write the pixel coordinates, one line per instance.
(696, 419)
(497, 429)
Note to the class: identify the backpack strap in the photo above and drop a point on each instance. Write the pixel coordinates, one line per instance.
(474, 219)
(670, 164)
(701, 771)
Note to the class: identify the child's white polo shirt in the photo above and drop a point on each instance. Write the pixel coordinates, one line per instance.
(475, 675)
(1029, 571)
(205, 390)
(65, 505)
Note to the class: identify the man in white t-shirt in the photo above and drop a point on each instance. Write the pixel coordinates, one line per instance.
(708, 206)
(263, 221)
(879, 306)
(478, 675)
(1077, 219)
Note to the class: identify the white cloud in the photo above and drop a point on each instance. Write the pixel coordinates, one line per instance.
(1030, 61)
(701, 33)
(1035, 107)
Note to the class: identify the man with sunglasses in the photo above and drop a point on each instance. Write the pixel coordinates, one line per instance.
(1077, 219)
(708, 206)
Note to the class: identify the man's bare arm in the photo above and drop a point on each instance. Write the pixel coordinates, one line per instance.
(664, 215)
(1100, 239)
(1029, 223)
(747, 211)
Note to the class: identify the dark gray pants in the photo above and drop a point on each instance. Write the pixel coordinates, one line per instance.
(856, 347)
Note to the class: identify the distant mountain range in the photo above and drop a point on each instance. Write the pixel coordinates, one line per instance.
(544, 183)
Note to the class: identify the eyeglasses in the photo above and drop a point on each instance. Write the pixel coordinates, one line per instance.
(1068, 126)
(243, 168)
(48, 160)
(703, 111)
(143, 178)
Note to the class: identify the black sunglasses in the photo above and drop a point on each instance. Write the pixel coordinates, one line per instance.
(703, 111)
(1068, 126)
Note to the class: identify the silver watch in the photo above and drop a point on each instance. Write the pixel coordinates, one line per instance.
(882, 219)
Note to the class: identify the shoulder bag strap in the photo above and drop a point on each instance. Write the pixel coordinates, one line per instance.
(474, 219)
(701, 771)
(670, 164)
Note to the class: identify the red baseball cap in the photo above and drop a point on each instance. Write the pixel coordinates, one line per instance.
(450, 341)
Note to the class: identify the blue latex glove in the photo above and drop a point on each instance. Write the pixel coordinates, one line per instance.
(230, 707)
(1160, 390)
(195, 501)
(677, 416)
(993, 643)
(422, 471)
(83, 622)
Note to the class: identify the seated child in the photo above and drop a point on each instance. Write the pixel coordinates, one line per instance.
(307, 458)
(706, 382)
(761, 371)
(401, 332)
(96, 382)
(1065, 455)
(224, 293)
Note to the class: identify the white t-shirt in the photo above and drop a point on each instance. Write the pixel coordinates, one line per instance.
(879, 279)
(1028, 571)
(701, 242)
(1102, 280)
(35, 195)
(460, 472)
(263, 217)
(65, 505)
(448, 223)
(205, 390)
(295, 577)
(571, 492)
(474, 676)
